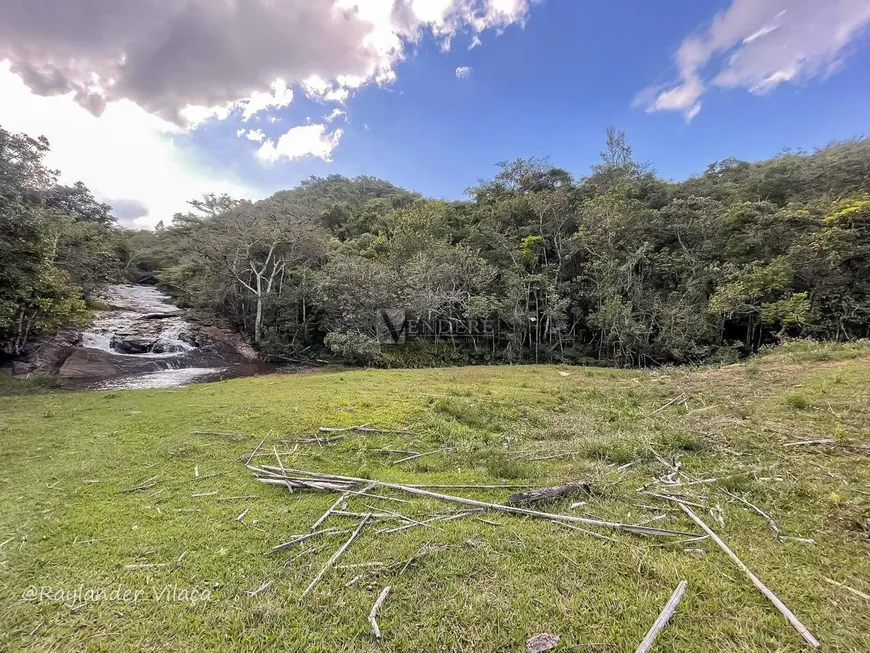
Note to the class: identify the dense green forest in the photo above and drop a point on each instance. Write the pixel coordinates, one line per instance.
(619, 267)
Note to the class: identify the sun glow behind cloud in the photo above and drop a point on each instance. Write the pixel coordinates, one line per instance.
(107, 89)
(125, 154)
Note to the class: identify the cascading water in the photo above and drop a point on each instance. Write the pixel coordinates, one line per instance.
(141, 322)
(141, 325)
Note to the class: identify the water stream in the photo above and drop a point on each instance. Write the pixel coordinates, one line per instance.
(138, 310)
(142, 325)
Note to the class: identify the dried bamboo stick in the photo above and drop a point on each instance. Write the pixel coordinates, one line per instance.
(669, 497)
(788, 614)
(670, 403)
(254, 453)
(803, 443)
(373, 615)
(365, 428)
(428, 522)
(296, 539)
(329, 511)
(663, 618)
(335, 556)
(770, 520)
(261, 588)
(415, 456)
(847, 588)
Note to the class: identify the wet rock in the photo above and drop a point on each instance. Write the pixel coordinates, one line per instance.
(47, 355)
(97, 364)
(228, 345)
(138, 337)
(132, 345)
(162, 316)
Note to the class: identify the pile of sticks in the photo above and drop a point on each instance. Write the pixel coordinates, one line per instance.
(519, 504)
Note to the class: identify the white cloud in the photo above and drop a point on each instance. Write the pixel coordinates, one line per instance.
(463, 72)
(256, 135)
(280, 97)
(758, 45)
(116, 85)
(126, 155)
(336, 113)
(300, 142)
(167, 55)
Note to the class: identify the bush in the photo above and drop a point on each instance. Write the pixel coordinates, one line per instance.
(355, 348)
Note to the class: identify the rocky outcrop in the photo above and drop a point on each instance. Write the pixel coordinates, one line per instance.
(46, 358)
(224, 343)
(86, 363)
(138, 338)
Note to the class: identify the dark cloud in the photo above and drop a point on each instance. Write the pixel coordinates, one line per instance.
(167, 54)
(127, 211)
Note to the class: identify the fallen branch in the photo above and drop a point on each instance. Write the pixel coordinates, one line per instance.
(365, 428)
(669, 497)
(335, 556)
(670, 403)
(415, 456)
(802, 540)
(261, 588)
(470, 487)
(373, 615)
(594, 534)
(554, 456)
(788, 614)
(428, 522)
(329, 511)
(770, 520)
(254, 453)
(663, 618)
(847, 588)
(803, 443)
(301, 538)
(318, 440)
(627, 466)
(221, 433)
(549, 494)
(528, 512)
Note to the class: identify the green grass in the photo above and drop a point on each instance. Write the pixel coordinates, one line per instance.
(66, 523)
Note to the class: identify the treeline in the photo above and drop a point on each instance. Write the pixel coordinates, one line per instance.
(57, 246)
(618, 267)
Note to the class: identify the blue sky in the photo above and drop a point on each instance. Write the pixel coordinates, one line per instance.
(690, 82)
(551, 88)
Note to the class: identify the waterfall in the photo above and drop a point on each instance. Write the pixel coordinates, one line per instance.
(141, 324)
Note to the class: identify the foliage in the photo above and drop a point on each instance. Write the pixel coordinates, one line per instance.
(57, 245)
(620, 267)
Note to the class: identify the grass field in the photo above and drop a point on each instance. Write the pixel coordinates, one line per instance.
(66, 521)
